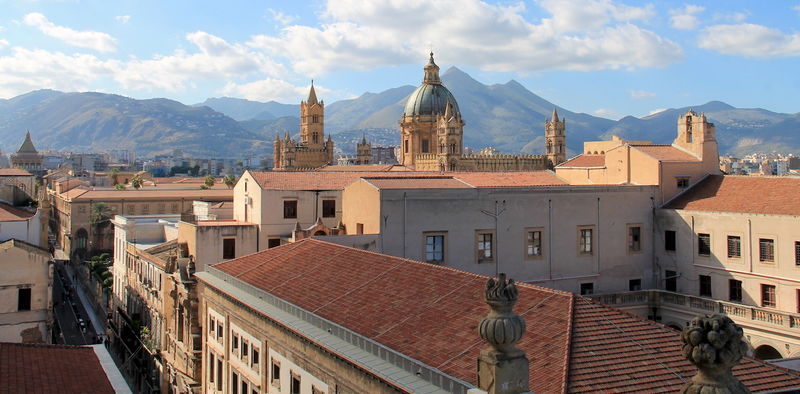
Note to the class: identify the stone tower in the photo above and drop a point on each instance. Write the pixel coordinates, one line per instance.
(697, 136)
(312, 121)
(555, 134)
(28, 158)
(363, 151)
(426, 128)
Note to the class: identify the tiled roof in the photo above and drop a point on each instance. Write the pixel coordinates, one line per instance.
(9, 213)
(316, 180)
(418, 183)
(26, 368)
(585, 161)
(745, 194)
(14, 172)
(108, 194)
(431, 313)
(509, 179)
(360, 168)
(217, 223)
(665, 152)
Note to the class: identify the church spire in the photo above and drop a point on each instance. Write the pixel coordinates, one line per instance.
(432, 73)
(27, 146)
(312, 95)
(554, 117)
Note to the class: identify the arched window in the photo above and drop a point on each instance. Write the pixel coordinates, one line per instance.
(81, 236)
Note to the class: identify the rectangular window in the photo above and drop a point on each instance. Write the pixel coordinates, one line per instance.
(705, 286)
(798, 300)
(426, 146)
(235, 383)
(219, 375)
(255, 359)
(328, 208)
(290, 209)
(211, 367)
(734, 247)
(634, 285)
(219, 331)
(766, 250)
(229, 248)
(533, 243)
(669, 240)
(434, 248)
(634, 239)
(587, 288)
(682, 182)
(359, 228)
(24, 299)
(704, 244)
(670, 280)
(405, 146)
(295, 388)
(485, 246)
(245, 349)
(796, 252)
(244, 387)
(273, 242)
(768, 296)
(275, 378)
(235, 343)
(734, 290)
(585, 241)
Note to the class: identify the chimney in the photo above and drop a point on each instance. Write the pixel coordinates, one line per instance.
(714, 345)
(502, 368)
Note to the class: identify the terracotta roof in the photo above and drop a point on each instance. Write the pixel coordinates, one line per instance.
(665, 152)
(585, 161)
(745, 194)
(215, 223)
(418, 183)
(14, 172)
(27, 368)
(359, 168)
(509, 178)
(110, 194)
(431, 313)
(10, 213)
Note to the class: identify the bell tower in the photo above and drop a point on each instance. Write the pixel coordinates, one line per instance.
(312, 121)
(555, 134)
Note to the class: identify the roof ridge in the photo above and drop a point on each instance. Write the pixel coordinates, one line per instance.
(568, 345)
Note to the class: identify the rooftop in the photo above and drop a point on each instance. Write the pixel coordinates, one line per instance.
(430, 313)
(743, 194)
(9, 213)
(29, 368)
(584, 161)
(14, 172)
(418, 183)
(81, 194)
(665, 152)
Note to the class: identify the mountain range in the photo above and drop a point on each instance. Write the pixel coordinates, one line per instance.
(506, 116)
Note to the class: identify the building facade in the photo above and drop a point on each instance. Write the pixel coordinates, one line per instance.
(26, 293)
(312, 151)
(28, 158)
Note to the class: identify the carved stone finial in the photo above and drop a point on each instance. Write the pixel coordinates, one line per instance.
(714, 345)
(502, 368)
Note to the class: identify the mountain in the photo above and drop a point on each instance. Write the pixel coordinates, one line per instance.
(241, 109)
(82, 122)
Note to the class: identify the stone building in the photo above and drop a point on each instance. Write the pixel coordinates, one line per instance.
(363, 152)
(26, 293)
(289, 320)
(16, 185)
(28, 158)
(432, 134)
(312, 151)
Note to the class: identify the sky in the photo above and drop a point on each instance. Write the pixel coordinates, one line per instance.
(603, 57)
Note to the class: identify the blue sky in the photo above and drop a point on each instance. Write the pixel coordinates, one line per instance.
(604, 57)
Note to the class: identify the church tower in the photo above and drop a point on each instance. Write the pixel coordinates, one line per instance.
(697, 135)
(312, 121)
(555, 134)
(363, 151)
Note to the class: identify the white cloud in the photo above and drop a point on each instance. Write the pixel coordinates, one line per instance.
(25, 70)
(641, 94)
(796, 8)
(362, 34)
(216, 59)
(281, 18)
(101, 42)
(123, 18)
(270, 89)
(750, 40)
(684, 18)
(3, 43)
(603, 112)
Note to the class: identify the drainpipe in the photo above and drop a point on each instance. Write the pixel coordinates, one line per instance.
(750, 245)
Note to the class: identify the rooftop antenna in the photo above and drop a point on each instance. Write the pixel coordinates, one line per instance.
(499, 208)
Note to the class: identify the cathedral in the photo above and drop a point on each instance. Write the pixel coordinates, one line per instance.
(432, 135)
(312, 151)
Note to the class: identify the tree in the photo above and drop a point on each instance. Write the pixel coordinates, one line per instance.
(229, 180)
(100, 214)
(114, 177)
(137, 181)
(210, 181)
(119, 186)
(98, 268)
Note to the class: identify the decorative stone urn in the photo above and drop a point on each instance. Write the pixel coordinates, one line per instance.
(714, 345)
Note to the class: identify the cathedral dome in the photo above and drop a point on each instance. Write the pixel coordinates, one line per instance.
(431, 97)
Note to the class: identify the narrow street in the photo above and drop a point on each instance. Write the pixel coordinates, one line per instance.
(73, 316)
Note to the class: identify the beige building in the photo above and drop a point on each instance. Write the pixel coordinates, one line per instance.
(28, 158)
(26, 293)
(574, 238)
(673, 168)
(432, 134)
(312, 151)
(16, 185)
(315, 317)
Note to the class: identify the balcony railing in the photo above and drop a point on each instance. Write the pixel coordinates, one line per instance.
(739, 312)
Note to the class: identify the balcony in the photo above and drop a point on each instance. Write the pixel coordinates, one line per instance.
(741, 313)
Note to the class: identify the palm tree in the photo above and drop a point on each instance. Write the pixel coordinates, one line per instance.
(137, 181)
(98, 267)
(100, 214)
(114, 177)
(210, 181)
(229, 180)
